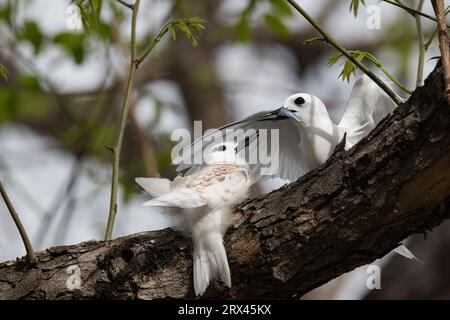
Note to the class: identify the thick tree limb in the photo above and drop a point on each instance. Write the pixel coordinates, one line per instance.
(354, 209)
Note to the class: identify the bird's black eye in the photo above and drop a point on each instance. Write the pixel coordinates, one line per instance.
(299, 101)
(221, 148)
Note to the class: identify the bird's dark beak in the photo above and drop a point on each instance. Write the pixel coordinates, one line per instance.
(279, 114)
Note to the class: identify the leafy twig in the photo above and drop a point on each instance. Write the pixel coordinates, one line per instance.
(420, 40)
(439, 9)
(184, 25)
(346, 53)
(31, 256)
(359, 55)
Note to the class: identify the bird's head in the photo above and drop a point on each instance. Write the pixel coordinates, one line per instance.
(301, 107)
(305, 106)
(222, 153)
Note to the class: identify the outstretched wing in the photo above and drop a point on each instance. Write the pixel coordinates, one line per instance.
(284, 159)
(368, 104)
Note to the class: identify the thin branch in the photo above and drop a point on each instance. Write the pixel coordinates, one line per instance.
(185, 26)
(26, 241)
(412, 11)
(346, 53)
(153, 44)
(129, 6)
(380, 66)
(421, 43)
(125, 108)
(439, 9)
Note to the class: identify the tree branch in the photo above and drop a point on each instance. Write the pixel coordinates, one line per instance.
(345, 52)
(31, 256)
(129, 6)
(421, 44)
(354, 209)
(438, 6)
(411, 11)
(125, 108)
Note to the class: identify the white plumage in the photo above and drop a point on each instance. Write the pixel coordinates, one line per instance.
(307, 134)
(207, 197)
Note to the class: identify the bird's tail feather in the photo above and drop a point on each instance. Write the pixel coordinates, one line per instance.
(210, 261)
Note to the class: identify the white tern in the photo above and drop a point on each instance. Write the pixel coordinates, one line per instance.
(206, 197)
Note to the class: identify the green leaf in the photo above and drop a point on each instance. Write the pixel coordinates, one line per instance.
(90, 11)
(190, 27)
(276, 25)
(348, 70)
(355, 6)
(73, 43)
(32, 33)
(3, 73)
(333, 59)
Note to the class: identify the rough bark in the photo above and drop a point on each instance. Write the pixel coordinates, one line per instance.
(354, 209)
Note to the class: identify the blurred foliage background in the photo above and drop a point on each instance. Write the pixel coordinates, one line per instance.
(65, 88)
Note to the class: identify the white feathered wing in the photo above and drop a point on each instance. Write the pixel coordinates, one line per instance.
(366, 107)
